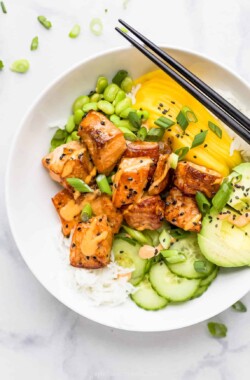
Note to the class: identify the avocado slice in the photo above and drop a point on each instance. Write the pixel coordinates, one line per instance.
(224, 244)
(240, 197)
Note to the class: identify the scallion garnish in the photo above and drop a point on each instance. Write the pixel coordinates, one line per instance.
(186, 116)
(240, 307)
(86, 213)
(44, 22)
(155, 134)
(1, 65)
(199, 139)
(173, 160)
(103, 184)
(20, 66)
(214, 128)
(142, 133)
(59, 138)
(173, 256)
(96, 26)
(3, 7)
(200, 266)
(79, 185)
(34, 43)
(164, 122)
(119, 76)
(222, 196)
(124, 237)
(75, 31)
(128, 135)
(134, 119)
(182, 152)
(124, 30)
(202, 202)
(217, 330)
(179, 234)
(137, 235)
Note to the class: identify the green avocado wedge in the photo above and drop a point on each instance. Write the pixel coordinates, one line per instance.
(224, 244)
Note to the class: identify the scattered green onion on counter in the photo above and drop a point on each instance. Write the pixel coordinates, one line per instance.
(34, 43)
(239, 306)
(86, 213)
(44, 22)
(20, 66)
(79, 185)
(96, 26)
(3, 7)
(103, 184)
(217, 330)
(75, 31)
(214, 128)
(1, 65)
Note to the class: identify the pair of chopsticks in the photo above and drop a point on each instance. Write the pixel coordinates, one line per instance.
(220, 107)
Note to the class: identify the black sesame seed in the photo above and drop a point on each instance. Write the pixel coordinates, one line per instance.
(102, 122)
(73, 245)
(172, 102)
(47, 160)
(195, 156)
(205, 145)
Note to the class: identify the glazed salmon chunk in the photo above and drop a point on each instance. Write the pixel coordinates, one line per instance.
(190, 178)
(130, 180)
(91, 243)
(146, 214)
(104, 140)
(182, 211)
(69, 160)
(69, 209)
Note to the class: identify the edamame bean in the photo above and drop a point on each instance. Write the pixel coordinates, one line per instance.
(95, 98)
(79, 102)
(78, 115)
(115, 119)
(101, 84)
(127, 84)
(124, 114)
(90, 106)
(119, 97)
(70, 124)
(69, 139)
(106, 107)
(122, 105)
(75, 136)
(110, 92)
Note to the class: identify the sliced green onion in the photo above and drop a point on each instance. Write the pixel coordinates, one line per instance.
(46, 23)
(75, 31)
(142, 133)
(152, 235)
(173, 160)
(186, 116)
(202, 202)
(217, 330)
(109, 178)
(182, 152)
(155, 134)
(222, 196)
(124, 237)
(34, 43)
(134, 119)
(79, 185)
(173, 256)
(137, 235)
(179, 234)
(164, 122)
(86, 213)
(128, 134)
(199, 139)
(240, 307)
(165, 239)
(182, 120)
(123, 29)
(200, 266)
(214, 128)
(20, 66)
(119, 76)
(103, 184)
(96, 26)
(3, 7)
(1, 65)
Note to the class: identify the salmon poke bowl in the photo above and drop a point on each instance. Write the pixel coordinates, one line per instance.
(136, 198)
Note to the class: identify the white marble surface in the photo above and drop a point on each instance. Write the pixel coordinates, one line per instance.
(39, 337)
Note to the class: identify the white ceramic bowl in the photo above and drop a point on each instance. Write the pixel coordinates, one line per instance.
(34, 222)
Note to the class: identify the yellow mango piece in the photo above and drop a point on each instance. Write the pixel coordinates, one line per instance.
(158, 88)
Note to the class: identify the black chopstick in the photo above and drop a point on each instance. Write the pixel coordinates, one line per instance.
(240, 129)
(202, 86)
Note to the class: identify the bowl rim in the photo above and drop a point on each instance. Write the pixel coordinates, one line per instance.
(11, 156)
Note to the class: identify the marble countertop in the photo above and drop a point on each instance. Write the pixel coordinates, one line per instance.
(39, 337)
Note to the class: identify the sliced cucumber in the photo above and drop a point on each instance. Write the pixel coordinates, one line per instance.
(146, 298)
(201, 290)
(127, 256)
(209, 279)
(190, 248)
(170, 286)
